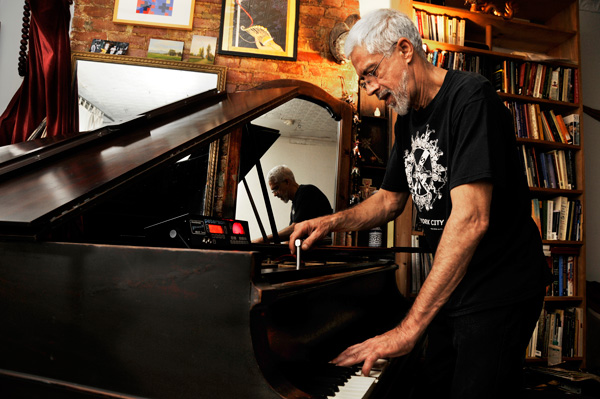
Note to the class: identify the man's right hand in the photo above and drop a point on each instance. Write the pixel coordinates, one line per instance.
(313, 229)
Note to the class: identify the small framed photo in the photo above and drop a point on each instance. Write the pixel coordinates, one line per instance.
(175, 14)
(169, 50)
(203, 49)
(260, 28)
(109, 47)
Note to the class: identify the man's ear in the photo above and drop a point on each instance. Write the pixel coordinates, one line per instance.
(406, 48)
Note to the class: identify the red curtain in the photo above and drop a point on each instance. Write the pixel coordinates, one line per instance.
(46, 89)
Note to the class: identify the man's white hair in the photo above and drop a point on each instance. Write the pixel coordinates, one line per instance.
(279, 173)
(379, 30)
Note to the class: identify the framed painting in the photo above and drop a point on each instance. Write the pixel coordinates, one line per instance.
(175, 14)
(260, 28)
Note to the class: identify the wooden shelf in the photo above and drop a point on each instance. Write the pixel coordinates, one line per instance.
(543, 32)
(550, 145)
(554, 192)
(562, 243)
(514, 34)
(563, 298)
(434, 45)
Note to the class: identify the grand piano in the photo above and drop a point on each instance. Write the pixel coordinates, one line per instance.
(95, 304)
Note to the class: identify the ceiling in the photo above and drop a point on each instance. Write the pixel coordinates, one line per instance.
(121, 95)
(302, 120)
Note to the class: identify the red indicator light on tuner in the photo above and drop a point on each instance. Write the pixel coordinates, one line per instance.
(237, 228)
(216, 229)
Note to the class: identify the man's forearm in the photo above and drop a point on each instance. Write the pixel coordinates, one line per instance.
(374, 211)
(462, 234)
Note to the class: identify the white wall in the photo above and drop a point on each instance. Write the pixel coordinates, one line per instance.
(11, 19)
(311, 164)
(590, 61)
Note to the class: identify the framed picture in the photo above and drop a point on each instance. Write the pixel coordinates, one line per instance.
(169, 50)
(109, 47)
(203, 49)
(260, 28)
(176, 14)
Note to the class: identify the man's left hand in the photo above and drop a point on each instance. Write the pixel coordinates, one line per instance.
(393, 343)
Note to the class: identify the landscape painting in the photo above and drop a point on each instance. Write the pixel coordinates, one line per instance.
(170, 50)
(203, 49)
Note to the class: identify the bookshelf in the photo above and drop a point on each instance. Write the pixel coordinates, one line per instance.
(544, 34)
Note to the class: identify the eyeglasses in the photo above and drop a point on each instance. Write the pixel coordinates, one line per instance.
(368, 78)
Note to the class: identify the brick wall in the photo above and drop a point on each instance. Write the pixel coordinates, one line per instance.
(93, 20)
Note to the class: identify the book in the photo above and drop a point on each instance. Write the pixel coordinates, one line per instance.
(551, 169)
(532, 78)
(556, 128)
(537, 87)
(562, 205)
(545, 183)
(553, 90)
(564, 132)
(552, 126)
(560, 180)
(572, 124)
(462, 23)
(562, 165)
(535, 213)
(571, 168)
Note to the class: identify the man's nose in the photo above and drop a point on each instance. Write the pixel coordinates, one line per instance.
(372, 87)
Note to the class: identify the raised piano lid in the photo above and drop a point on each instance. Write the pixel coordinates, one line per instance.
(45, 184)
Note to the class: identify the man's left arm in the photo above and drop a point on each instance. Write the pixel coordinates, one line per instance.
(464, 229)
(284, 235)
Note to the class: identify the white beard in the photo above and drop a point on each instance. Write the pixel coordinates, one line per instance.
(401, 101)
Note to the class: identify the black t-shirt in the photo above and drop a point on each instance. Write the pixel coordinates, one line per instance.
(308, 203)
(465, 135)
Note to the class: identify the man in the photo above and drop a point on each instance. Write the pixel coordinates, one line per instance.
(455, 153)
(307, 200)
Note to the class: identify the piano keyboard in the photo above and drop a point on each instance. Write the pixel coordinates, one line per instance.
(334, 382)
(356, 387)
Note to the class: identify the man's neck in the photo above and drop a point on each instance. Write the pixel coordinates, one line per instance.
(429, 80)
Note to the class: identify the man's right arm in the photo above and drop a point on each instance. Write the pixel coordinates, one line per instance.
(375, 211)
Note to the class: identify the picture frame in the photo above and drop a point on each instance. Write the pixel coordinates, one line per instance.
(203, 49)
(260, 28)
(168, 50)
(173, 14)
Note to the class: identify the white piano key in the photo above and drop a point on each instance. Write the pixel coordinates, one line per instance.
(355, 388)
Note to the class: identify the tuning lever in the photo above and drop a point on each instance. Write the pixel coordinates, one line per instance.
(298, 244)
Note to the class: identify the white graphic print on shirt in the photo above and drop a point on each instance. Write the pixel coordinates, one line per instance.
(426, 177)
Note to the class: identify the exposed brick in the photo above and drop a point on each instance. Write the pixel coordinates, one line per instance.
(352, 6)
(203, 23)
(267, 76)
(238, 76)
(327, 23)
(98, 12)
(291, 68)
(312, 10)
(309, 57)
(137, 52)
(336, 13)
(93, 20)
(333, 3)
(229, 62)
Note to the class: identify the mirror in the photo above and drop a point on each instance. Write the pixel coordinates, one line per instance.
(113, 88)
(308, 145)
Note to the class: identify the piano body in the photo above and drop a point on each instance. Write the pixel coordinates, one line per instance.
(90, 308)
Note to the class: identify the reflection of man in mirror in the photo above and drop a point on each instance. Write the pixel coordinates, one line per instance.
(307, 200)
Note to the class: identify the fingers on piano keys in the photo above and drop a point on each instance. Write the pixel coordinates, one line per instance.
(337, 382)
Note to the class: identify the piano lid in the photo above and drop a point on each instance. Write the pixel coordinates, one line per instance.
(39, 189)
